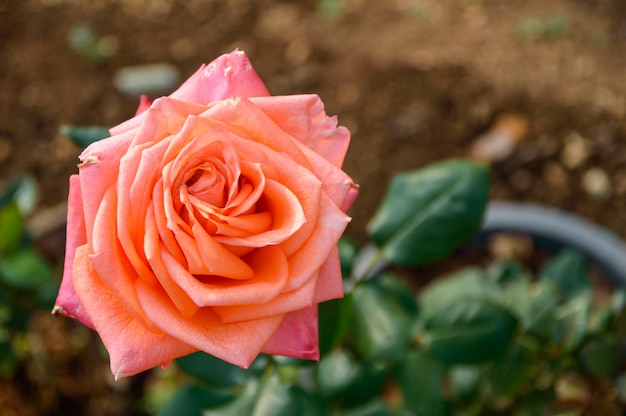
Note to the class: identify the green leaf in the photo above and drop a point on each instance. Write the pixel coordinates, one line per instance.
(375, 407)
(348, 251)
(267, 396)
(608, 317)
(421, 377)
(243, 403)
(567, 272)
(16, 316)
(393, 285)
(573, 321)
(215, 371)
(428, 213)
(275, 399)
(601, 356)
(464, 380)
(381, 323)
(336, 373)
(335, 317)
(7, 193)
(8, 360)
(46, 295)
(468, 283)
(191, 400)
(24, 269)
(85, 135)
(621, 387)
(27, 194)
(308, 404)
(535, 403)
(505, 272)
(535, 307)
(340, 376)
(469, 331)
(22, 191)
(11, 227)
(510, 375)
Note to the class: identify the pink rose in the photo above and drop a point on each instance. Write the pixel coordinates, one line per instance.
(208, 222)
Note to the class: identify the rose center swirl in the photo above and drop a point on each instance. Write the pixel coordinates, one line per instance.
(209, 186)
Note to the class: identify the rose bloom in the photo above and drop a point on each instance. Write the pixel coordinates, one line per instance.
(208, 222)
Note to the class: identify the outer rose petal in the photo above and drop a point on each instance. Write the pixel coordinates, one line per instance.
(144, 104)
(328, 286)
(98, 172)
(132, 348)
(303, 117)
(238, 343)
(350, 198)
(230, 75)
(297, 336)
(67, 303)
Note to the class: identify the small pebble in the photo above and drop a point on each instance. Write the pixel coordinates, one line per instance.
(146, 79)
(554, 174)
(298, 51)
(576, 151)
(596, 183)
(501, 139)
(506, 246)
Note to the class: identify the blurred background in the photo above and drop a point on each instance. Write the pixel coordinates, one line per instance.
(535, 88)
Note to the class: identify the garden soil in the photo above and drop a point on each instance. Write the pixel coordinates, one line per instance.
(416, 81)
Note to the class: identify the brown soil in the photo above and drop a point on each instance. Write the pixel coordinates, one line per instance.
(416, 81)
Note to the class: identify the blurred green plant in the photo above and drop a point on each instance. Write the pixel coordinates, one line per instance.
(93, 48)
(331, 8)
(25, 277)
(83, 136)
(531, 28)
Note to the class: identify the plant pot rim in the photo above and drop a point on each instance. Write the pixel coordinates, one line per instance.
(554, 229)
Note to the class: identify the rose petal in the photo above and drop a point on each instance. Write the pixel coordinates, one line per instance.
(230, 75)
(144, 104)
(300, 181)
(149, 119)
(166, 116)
(111, 265)
(303, 117)
(237, 343)
(215, 257)
(297, 336)
(132, 348)
(153, 248)
(243, 225)
(283, 303)
(286, 213)
(67, 303)
(350, 198)
(270, 275)
(336, 183)
(306, 262)
(139, 170)
(166, 235)
(242, 113)
(329, 282)
(98, 172)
